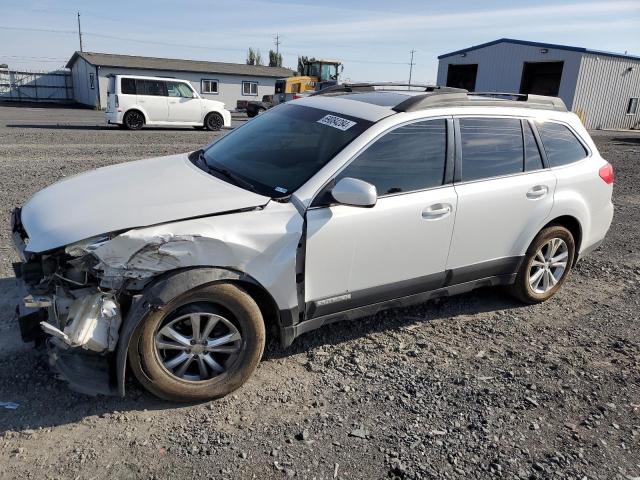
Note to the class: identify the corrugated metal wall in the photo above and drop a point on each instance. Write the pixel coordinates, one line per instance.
(500, 67)
(82, 91)
(605, 85)
(36, 86)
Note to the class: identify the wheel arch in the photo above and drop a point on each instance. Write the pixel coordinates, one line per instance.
(137, 109)
(178, 282)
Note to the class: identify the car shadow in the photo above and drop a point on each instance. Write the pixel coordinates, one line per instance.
(44, 401)
(627, 140)
(107, 127)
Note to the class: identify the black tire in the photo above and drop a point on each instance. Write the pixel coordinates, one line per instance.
(220, 299)
(251, 114)
(213, 122)
(133, 120)
(523, 289)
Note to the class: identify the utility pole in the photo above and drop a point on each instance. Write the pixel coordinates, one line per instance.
(411, 64)
(278, 42)
(79, 32)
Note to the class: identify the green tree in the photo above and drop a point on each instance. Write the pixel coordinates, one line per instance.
(302, 59)
(275, 59)
(251, 57)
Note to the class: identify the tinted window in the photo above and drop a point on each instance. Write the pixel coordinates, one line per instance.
(408, 158)
(532, 157)
(490, 147)
(156, 88)
(128, 85)
(281, 149)
(560, 145)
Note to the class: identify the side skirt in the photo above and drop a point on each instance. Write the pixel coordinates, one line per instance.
(291, 332)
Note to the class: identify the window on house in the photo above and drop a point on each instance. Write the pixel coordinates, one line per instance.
(491, 147)
(560, 144)
(409, 158)
(632, 107)
(209, 86)
(250, 88)
(92, 81)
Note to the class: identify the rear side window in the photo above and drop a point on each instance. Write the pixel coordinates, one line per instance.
(560, 144)
(406, 159)
(156, 88)
(491, 147)
(532, 157)
(128, 85)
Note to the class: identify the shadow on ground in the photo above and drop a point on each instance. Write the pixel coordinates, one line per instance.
(44, 401)
(63, 126)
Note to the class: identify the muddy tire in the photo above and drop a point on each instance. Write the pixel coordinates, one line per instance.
(133, 120)
(546, 265)
(200, 346)
(213, 122)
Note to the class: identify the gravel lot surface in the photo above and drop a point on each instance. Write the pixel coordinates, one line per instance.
(476, 386)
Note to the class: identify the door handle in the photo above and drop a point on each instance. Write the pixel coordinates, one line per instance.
(537, 192)
(436, 211)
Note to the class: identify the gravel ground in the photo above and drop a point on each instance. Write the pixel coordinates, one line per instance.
(476, 386)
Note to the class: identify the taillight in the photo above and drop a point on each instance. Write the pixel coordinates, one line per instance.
(117, 103)
(606, 173)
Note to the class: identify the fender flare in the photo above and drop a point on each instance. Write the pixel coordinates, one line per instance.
(159, 293)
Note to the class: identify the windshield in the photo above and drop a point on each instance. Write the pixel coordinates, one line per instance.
(278, 151)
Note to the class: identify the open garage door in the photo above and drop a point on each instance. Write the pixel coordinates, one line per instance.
(541, 78)
(462, 76)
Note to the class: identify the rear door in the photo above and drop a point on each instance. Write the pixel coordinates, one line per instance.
(504, 196)
(152, 97)
(183, 107)
(358, 256)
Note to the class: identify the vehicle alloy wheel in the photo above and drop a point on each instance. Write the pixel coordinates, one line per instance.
(548, 265)
(198, 346)
(134, 120)
(213, 122)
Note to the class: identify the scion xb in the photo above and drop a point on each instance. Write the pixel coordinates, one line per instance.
(331, 207)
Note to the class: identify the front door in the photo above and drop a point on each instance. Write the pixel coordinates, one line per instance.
(358, 256)
(183, 107)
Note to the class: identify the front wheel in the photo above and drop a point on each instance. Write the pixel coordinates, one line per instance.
(213, 121)
(202, 345)
(545, 266)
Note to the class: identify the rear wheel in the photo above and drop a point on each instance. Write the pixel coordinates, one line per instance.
(133, 120)
(545, 266)
(202, 345)
(213, 121)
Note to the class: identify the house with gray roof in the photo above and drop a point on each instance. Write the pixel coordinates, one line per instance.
(602, 88)
(226, 82)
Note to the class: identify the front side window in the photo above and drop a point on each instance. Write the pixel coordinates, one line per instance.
(281, 149)
(632, 107)
(128, 86)
(250, 88)
(156, 88)
(178, 89)
(560, 144)
(491, 147)
(408, 158)
(209, 86)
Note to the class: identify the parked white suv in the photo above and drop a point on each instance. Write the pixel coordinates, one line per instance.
(135, 101)
(331, 207)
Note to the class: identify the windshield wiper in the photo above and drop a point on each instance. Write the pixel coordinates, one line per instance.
(239, 181)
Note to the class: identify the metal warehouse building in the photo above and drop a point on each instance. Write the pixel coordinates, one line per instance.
(601, 87)
(226, 82)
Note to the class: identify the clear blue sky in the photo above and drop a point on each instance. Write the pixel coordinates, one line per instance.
(372, 38)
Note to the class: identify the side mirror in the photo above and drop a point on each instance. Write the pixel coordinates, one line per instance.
(354, 192)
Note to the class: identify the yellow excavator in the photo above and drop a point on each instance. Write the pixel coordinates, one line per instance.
(317, 74)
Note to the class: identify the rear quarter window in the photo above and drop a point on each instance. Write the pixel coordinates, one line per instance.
(560, 144)
(128, 86)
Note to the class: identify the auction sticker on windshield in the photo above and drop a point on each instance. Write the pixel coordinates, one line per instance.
(337, 122)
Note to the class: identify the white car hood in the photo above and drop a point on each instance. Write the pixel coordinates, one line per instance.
(127, 195)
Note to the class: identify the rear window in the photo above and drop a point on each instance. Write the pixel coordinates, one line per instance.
(560, 144)
(281, 149)
(128, 86)
(111, 85)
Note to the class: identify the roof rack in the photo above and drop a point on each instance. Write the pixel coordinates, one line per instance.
(371, 87)
(445, 97)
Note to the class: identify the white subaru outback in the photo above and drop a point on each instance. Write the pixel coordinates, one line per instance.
(331, 207)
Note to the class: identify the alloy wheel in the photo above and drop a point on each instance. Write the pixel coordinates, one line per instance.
(198, 346)
(548, 265)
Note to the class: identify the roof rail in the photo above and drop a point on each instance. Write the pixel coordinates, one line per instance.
(461, 98)
(371, 86)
